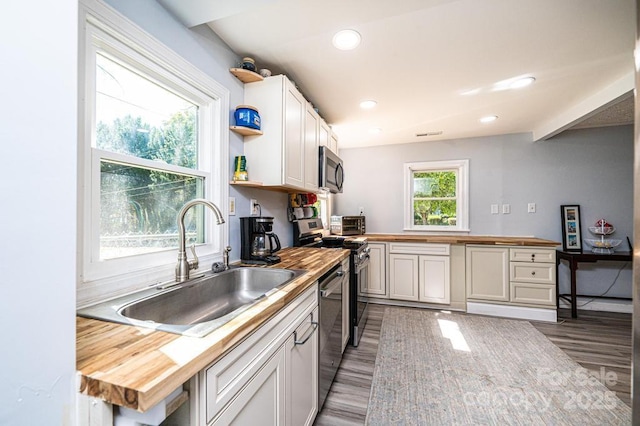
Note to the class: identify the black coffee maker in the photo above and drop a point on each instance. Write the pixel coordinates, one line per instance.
(258, 242)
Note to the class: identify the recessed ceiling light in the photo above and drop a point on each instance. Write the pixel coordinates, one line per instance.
(488, 118)
(522, 82)
(375, 130)
(346, 39)
(368, 104)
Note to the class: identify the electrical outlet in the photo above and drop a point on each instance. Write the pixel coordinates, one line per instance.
(254, 207)
(531, 207)
(506, 208)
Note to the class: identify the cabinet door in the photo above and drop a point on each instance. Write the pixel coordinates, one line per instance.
(434, 275)
(403, 276)
(323, 135)
(302, 373)
(311, 152)
(333, 142)
(487, 273)
(263, 398)
(345, 310)
(375, 284)
(294, 107)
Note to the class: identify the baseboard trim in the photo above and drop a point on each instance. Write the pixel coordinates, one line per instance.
(519, 312)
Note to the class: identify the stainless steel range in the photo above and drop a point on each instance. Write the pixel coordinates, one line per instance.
(307, 233)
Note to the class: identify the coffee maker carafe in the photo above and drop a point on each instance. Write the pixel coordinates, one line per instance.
(258, 242)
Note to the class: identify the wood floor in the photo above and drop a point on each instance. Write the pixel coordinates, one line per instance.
(599, 341)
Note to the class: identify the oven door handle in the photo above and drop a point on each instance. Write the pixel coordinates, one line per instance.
(329, 289)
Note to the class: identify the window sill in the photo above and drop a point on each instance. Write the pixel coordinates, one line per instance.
(438, 231)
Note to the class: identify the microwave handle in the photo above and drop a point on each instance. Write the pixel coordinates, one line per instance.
(339, 176)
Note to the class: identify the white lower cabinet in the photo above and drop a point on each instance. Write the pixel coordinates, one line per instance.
(302, 375)
(403, 276)
(434, 281)
(270, 378)
(262, 398)
(375, 283)
(517, 275)
(420, 277)
(487, 273)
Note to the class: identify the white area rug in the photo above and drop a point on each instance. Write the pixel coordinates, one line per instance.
(435, 368)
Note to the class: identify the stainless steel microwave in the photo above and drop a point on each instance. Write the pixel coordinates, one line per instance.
(331, 173)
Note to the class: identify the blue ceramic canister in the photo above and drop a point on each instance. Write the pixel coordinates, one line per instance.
(247, 116)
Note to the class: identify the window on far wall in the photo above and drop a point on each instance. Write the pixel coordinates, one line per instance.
(436, 196)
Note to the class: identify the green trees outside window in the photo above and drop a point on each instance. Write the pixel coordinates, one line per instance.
(434, 198)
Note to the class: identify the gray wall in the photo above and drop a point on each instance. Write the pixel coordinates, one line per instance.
(590, 167)
(204, 49)
(37, 180)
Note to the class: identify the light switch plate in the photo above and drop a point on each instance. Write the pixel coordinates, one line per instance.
(506, 208)
(232, 206)
(494, 209)
(531, 207)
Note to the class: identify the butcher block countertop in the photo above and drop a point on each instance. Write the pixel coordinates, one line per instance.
(138, 367)
(461, 239)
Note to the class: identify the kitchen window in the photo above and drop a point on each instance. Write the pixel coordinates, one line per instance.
(152, 138)
(437, 196)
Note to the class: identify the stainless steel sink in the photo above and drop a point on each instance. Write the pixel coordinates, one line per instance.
(196, 307)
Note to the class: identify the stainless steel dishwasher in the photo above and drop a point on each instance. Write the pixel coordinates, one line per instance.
(330, 287)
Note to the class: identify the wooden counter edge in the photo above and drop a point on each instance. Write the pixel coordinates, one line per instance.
(462, 239)
(143, 398)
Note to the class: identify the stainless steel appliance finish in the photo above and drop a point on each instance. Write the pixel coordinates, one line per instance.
(359, 305)
(348, 225)
(331, 172)
(258, 243)
(196, 307)
(330, 347)
(307, 233)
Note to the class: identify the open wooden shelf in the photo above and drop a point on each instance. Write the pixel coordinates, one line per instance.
(246, 76)
(245, 131)
(259, 185)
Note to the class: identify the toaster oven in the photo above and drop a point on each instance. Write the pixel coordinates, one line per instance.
(347, 225)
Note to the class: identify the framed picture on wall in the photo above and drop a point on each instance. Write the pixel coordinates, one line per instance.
(571, 232)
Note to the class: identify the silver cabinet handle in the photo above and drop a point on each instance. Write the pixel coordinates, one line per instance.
(331, 288)
(314, 327)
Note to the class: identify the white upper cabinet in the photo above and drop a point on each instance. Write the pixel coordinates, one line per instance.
(286, 154)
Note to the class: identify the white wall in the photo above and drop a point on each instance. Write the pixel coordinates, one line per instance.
(37, 183)
(203, 48)
(591, 167)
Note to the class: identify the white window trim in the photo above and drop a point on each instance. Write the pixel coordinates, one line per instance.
(101, 25)
(462, 222)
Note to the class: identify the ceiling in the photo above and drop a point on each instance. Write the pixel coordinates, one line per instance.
(417, 58)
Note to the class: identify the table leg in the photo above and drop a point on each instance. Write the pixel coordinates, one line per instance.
(573, 265)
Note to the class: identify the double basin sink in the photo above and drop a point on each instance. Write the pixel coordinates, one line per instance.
(196, 307)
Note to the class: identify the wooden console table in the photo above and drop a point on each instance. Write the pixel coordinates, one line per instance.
(573, 258)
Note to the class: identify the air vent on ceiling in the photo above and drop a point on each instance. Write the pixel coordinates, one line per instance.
(429, 134)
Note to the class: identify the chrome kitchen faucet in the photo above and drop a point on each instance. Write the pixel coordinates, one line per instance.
(184, 265)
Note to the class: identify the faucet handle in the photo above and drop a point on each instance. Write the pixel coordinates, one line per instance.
(193, 264)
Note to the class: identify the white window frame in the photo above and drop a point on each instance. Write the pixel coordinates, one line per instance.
(462, 194)
(103, 29)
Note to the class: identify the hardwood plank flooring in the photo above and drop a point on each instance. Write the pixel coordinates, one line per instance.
(599, 341)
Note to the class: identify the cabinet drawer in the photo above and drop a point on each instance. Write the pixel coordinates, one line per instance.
(533, 255)
(224, 379)
(407, 248)
(537, 294)
(543, 273)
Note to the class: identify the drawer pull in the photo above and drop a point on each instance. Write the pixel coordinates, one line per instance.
(314, 326)
(533, 272)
